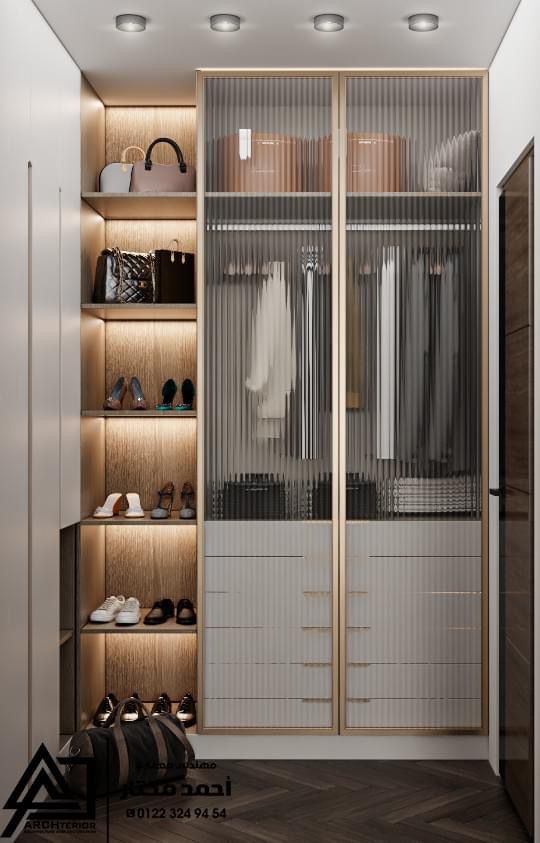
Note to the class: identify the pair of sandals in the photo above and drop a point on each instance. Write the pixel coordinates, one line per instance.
(168, 393)
(166, 497)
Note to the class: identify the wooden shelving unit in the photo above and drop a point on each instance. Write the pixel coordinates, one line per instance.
(143, 206)
(154, 342)
(169, 627)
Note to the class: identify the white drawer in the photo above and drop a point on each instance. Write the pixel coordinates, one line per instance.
(272, 538)
(388, 644)
(414, 681)
(265, 645)
(433, 573)
(269, 713)
(414, 714)
(257, 575)
(267, 680)
(276, 607)
(418, 611)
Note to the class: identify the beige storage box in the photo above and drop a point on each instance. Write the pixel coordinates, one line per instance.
(259, 162)
(374, 163)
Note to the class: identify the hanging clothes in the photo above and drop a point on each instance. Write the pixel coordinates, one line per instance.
(273, 354)
(387, 354)
(414, 355)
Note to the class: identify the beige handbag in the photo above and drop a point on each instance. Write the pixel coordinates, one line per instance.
(148, 177)
(116, 177)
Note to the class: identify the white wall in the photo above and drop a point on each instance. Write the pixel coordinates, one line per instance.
(514, 120)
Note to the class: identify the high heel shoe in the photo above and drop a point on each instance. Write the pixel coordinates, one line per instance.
(138, 401)
(187, 494)
(116, 395)
(188, 393)
(134, 509)
(164, 511)
(110, 507)
(168, 392)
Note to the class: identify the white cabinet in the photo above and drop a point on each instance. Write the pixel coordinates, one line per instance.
(40, 244)
(414, 625)
(268, 626)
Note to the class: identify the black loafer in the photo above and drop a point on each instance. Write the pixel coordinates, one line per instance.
(162, 705)
(186, 711)
(104, 710)
(160, 612)
(185, 613)
(132, 711)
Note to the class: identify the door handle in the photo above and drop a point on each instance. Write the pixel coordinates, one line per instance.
(495, 492)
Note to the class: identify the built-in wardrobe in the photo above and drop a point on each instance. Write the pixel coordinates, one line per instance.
(342, 414)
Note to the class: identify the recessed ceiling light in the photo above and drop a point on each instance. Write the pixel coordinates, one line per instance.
(131, 23)
(225, 23)
(423, 22)
(329, 22)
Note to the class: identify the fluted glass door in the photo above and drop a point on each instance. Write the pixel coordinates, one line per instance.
(268, 398)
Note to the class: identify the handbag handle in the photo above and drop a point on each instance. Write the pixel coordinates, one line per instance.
(118, 709)
(123, 157)
(179, 156)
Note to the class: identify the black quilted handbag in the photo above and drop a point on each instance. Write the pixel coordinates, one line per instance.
(146, 751)
(124, 277)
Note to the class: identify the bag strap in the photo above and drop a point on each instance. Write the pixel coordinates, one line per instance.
(121, 283)
(123, 157)
(171, 142)
(161, 746)
(173, 725)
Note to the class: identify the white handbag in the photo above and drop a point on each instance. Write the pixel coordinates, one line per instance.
(116, 177)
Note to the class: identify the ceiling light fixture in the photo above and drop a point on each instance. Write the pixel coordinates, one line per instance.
(423, 22)
(131, 23)
(225, 23)
(329, 22)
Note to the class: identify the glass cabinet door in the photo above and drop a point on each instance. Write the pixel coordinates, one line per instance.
(412, 404)
(269, 438)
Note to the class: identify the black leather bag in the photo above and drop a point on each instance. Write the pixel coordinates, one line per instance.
(124, 277)
(147, 751)
(175, 276)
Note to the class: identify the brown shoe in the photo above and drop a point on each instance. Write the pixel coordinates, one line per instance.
(116, 395)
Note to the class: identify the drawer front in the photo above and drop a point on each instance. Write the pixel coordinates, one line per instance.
(265, 645)
(258, 575)
(267, 714)
(388, 644)
(252, 681)
(414, 612)
(414, 714)
(281, 608)
(414, 574)
(414, 681)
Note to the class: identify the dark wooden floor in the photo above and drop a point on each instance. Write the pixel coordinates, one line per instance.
(330, 801)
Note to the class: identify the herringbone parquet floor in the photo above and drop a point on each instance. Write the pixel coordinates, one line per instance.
(330, 801)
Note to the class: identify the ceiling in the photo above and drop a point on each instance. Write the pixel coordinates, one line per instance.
(157, 66)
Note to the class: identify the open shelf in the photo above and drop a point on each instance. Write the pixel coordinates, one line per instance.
(143, 206)
(134, 312)
(121, 519)
(140, 414)
(170, 626)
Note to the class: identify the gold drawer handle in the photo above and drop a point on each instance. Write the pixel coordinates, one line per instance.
(316, 700)
(316, 628)
(317, 664)
(358, 699)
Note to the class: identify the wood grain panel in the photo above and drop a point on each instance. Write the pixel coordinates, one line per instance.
(150, 664)
(153, 351)
(92, 361)
(91, 571)
(92, 136)
(143, 454)
(92, 464)
(92, 242)
(91, 676)
(151, 563)
(145, 235)
(516, 408)
(127, 126)
(516, 250)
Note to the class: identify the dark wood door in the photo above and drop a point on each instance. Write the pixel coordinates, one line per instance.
(516, 467)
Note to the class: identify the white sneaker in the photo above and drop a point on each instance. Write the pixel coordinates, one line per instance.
(108, 610)
(130, 613)
(134, 509)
